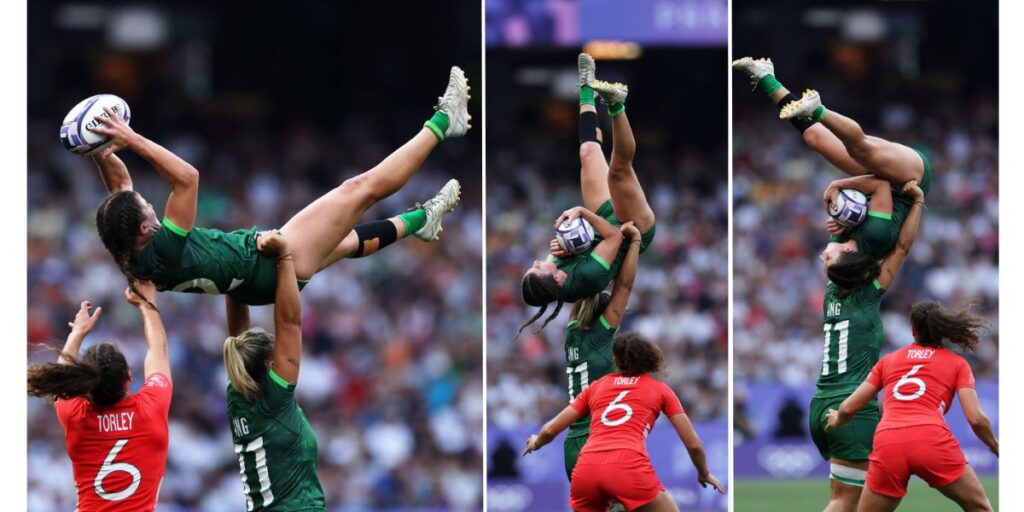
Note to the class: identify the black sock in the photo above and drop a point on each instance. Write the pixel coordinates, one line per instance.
(800, 124)
(588, 127)
(374, 236)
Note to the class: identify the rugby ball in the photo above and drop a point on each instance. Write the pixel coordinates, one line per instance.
(575, 236)
(849, 208)
(76, 131)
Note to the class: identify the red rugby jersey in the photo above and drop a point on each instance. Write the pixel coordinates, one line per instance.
(919, 384)
(118, 452)
(623, 411)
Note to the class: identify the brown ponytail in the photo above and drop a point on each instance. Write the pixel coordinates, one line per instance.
(247, 359)
(99, 376)
(933, 323)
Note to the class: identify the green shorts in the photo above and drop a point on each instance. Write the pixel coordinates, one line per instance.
(260, 287)
(608, 213)
(573, 446)
(849, 442)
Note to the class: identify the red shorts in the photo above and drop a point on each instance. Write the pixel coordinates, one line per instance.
(621, 475)
(928, 451)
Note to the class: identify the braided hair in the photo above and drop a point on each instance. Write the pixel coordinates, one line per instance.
(540, 290)
(117, 220)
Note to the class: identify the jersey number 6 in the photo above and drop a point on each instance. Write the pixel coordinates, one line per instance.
(615, 405)
(907, 379)
(109, 466)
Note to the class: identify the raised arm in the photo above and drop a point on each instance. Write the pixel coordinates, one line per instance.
(158, 359)
(695, 448)
(853, 403)
(908, 233)
(80, 328)
(551, 429)
(977, 419)
(237, 315)
(287, 307)
(624, 281)
(878, 189)
(182, 177)
(113, 172)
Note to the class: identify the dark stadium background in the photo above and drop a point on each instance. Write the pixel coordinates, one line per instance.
(677, 107)
(921, 73)
(274, 104)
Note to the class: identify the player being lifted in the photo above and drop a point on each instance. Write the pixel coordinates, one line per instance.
(588, 340)
(177, 256)
(117, 441)
(611, 195)
(852, 326)
(919, 381)
(877, 167)
(276, 447)
(623, 406)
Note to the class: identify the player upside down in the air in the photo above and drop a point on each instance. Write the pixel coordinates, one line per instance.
(177, 256)
(623, 406)
(611, 195)
(919, 382)
(276, 447)
(877, 167)
(117, 440)
(588, 340)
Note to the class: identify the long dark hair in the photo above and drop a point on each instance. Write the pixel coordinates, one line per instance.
(540, 290)
(117, 220)
(933, 323)
(99, 375)
(853, 270)
(636, 355)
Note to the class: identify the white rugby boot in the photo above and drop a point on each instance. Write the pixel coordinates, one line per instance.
(437, 208)
(801, 108)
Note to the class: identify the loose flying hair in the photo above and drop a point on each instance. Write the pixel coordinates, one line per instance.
(540, 290)
(247, 358)
(636, 355)
(117, 220)
(853, 270)
(933, 323)
(100, 376)
(589, 309)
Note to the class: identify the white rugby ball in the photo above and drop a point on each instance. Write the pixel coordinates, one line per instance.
(76, 131)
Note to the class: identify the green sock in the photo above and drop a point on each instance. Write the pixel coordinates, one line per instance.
(819, 113)
(616, 108)
(413, 220)
(769, 85)
(438, 124)
(587, 95)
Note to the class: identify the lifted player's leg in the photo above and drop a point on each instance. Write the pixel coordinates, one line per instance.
(846, 481)
(593, 167)
(319, 228)
(817, 137)
(423, 221)
(890, 161)
(968, 492)
(628, 198)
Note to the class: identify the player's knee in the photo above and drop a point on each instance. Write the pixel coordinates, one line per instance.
(589, 150)
(619, 169)
(359, 190)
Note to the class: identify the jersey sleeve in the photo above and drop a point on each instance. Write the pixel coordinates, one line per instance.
(670, 404)
(875, 377)
(156, 393)
(277, 394)
(592, 275)
(165, 249)
(582, 402)
(964, 375)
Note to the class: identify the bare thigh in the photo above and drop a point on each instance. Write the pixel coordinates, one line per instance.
(890, 161)
(871, 501)
(662, 503)
(628, 199)
(968, 492)
(593, 176)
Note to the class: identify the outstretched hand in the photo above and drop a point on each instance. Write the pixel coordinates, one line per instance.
(272, 243)
(113, 126)
(84, 322)
(143, 294)
(531, 445)
(710, 479)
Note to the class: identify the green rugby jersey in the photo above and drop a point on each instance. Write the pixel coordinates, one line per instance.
(853, 338)
(588, 357)
(276, 448)
(208, 261)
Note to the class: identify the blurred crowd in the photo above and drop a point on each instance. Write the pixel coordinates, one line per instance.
(681, 293)
(779, 223)
(391, 378)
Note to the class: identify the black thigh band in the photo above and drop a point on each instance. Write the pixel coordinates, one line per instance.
(588, 127)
